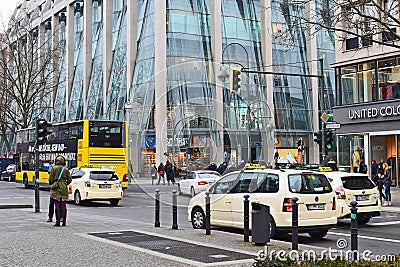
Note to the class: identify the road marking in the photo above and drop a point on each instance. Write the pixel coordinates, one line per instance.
(384, 223)
(367, 237)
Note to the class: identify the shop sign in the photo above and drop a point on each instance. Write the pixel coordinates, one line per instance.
(373, 112)
(179, 141)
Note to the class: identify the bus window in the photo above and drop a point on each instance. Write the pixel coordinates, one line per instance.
(104, 134)
(63, 133)
(32, 135)
(73, 132)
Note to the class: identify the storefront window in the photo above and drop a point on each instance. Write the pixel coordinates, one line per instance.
(358, 83)
(389, 79)
(383, 147)
(351, 151)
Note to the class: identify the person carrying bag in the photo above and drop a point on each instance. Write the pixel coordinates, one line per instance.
(59, 179)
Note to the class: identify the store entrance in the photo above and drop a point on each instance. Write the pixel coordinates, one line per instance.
(387, 147)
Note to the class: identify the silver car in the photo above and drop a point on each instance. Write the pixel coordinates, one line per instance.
(197, 181)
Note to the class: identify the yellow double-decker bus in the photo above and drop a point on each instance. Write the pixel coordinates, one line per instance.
(95, 143)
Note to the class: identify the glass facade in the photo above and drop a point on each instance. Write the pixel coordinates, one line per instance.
(193, 131)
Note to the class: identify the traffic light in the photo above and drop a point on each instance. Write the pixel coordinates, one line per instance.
(41, 131)
(235, 80)
(318, 137)
(329, 139)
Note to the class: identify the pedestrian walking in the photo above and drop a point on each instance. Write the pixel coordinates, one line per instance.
(222, 167)
(153, 173)
(387, 181)
(59, 180)
(160, 171)
(169, 170)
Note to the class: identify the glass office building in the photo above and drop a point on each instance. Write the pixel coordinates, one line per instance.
(164, 66)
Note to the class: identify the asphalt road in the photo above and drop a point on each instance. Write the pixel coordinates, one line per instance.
(381, 235)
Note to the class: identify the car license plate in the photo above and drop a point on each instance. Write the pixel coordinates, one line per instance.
(315, 206)
(361, 198)
(104, 186)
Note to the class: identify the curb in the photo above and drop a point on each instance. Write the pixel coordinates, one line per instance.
(16, 206)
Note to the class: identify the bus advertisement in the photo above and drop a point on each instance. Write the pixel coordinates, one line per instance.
(90, 143)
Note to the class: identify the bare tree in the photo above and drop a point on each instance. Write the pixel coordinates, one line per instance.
(357, 23)
(28, 83)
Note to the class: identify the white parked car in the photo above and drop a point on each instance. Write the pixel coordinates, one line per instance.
(197, 181)
(358, 187)
(274, 188)
(95, 184)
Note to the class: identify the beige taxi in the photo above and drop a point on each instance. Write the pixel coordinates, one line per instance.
(275, 188)
(95, 184)
(357, 187)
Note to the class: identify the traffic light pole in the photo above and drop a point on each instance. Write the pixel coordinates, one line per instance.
(322, 101)
(37, 197)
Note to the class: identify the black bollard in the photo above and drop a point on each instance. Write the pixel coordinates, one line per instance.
(157, 220)
(174, 210)
(295, 224)
(208, 213)
(354, 230)
(246, 218)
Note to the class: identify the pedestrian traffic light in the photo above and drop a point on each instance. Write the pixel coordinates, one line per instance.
(41, 131)
(329, 139)
(235, 80)
(318, 138)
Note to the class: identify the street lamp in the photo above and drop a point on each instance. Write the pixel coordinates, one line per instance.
(128, 107)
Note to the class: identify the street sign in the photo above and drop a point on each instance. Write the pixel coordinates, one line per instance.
(333, 126)
(325, 117)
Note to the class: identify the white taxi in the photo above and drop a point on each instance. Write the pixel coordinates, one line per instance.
(95, 184)
(275, 188)
(358, 187)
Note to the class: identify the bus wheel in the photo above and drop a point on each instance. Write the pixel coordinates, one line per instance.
(77, 198)
(26, 184)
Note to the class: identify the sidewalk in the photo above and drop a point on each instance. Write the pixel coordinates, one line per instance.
(27, 240)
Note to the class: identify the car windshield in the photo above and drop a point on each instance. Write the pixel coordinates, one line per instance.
(309, 183)
(357, 182)
(103, 176)
(208, 175)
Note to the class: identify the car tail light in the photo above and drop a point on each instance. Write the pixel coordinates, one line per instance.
(70, 189)
(340, 194)
(202, 183)
(87, 183)
(125, 178)
(287, 205)
(334, 204)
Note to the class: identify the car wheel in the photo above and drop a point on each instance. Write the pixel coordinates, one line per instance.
(179, 190)
(272, 228)
(25, 181)
(77, 198)
(363, 219)
(198, 219)
(114, 202)
(192, 192)
(318, 234)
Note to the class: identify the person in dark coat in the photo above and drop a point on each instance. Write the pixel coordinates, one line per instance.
(161, 174)
(363, 167)
(212, 167)
(222, 167)
(59, 179)
(169, 170)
